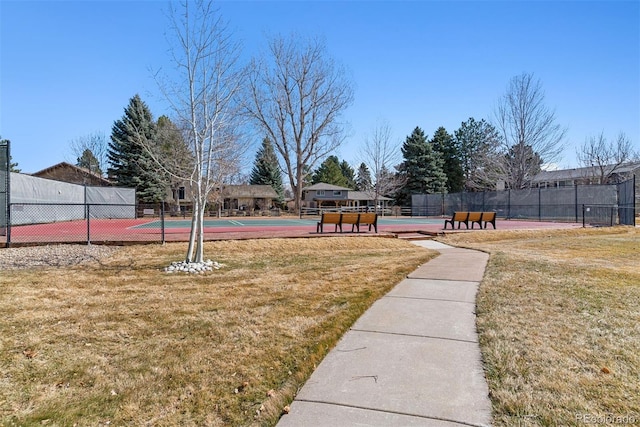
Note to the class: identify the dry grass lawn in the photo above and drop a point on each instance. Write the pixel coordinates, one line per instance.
(120, 342)
(559, 324)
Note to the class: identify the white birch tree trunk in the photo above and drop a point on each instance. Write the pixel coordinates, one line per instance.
(203, 98)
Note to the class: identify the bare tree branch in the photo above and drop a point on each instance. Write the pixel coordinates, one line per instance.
(606, 157)
(381, 154)
(296, 95)
(96, 142)
(524, 121)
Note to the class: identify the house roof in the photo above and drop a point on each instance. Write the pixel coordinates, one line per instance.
(249, 192)
(352, 194)
(365, 195)
(578, 173)
(325, 186)
(74, 169)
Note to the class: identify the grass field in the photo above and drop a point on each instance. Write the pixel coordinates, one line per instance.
(120, 342)
(559, 324)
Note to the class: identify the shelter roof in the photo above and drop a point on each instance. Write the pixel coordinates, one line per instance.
(365, 195)
(325, 186)
(245, 191)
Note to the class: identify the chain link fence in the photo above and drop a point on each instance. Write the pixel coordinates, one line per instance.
(85, 223)
(119, 223)
(591, 204)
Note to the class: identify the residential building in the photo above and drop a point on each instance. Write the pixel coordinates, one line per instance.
(66, 172)
(326, 196)
(585, 175)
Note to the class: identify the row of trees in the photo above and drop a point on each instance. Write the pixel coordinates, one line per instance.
(478, 155)
(473, 158)
(468, 160)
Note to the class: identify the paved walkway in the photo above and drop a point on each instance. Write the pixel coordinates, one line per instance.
(412, 359)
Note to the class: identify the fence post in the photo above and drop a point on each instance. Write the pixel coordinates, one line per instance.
(583, 211)
(539, 203)
(8, 222)
(88, 223)
(633, 205)
(575, 203)
(162, 222)
(613, 213)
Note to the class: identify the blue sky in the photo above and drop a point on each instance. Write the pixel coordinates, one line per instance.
(68, 68)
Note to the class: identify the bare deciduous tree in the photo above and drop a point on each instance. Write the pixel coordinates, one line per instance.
(296, 95)
(527, 126)
(96, 143)
(204, 101)
(606, 157)
(382, 154)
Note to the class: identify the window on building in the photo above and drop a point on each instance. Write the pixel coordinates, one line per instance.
(337, 192)
(181, 193)
(320, 193)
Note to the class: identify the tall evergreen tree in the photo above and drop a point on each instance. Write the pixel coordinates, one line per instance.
(173, 156)
(266, 170)
(445, 144)
(348, 173)
(330, 172)
(479, 145)
(421, 168)
(523, 164)
(128, 153)
(89, 162)
(363, 178)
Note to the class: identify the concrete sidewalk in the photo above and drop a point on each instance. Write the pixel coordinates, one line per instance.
(412, 359)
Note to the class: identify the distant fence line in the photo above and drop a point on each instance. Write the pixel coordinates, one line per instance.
(29, 223)
(569, 204)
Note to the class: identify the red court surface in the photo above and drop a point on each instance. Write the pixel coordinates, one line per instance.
(121, 231)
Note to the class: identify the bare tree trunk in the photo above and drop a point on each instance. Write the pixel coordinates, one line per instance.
(192, 236)
(204, 100)
(296, 97)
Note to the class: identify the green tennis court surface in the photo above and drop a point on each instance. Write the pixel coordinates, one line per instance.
(266, 222)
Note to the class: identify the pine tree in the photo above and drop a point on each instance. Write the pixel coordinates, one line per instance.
(479, 145)
(89, 161)
(266, 170)
(330, 172)
(13, 167)
(128, 153)
(523, 163)
(445, 144)
(363, 178)
(421, 168)
(174, 156)
(349, 174)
